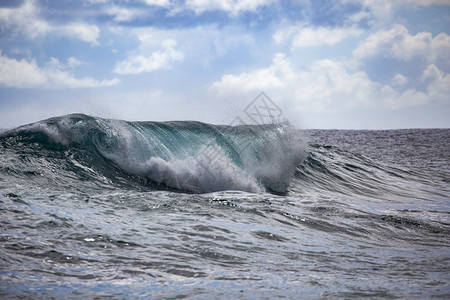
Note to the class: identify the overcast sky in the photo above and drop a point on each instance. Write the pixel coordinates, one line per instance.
(362, 64)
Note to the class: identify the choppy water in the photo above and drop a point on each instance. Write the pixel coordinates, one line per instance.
(104, 208)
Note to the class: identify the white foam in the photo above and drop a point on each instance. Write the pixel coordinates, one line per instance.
(271, 163)
(282, 159)
(191, 174)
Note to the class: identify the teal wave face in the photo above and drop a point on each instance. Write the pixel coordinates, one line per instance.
(184, 156)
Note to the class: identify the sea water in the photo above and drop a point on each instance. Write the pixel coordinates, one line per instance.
(98, 208)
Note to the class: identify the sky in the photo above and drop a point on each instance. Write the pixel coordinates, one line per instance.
(341, 64)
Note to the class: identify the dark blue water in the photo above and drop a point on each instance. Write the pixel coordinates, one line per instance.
(95, 208)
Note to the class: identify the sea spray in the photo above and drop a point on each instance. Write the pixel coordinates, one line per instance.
(181, 155)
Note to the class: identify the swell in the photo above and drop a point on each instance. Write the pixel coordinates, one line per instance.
(89, 154)
(83, 152)
(330, 169)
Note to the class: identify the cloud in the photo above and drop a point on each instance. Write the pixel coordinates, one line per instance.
(84, 32)
(124, 14)
(206, 47)
(422, 50)
(399, 79)
(432, 72)
(142, 62)
(232, 7)
(439, 87)
(26, 21)
(306, 36)
(326, 85)
(393, 99)
(398, 43)
(424, 2)
(162, 3)
(21, 74)
(73, 62)
(130, 13)
(27, 74)
(383, 10)
(276, 76)
(398, 3)
(98, 1)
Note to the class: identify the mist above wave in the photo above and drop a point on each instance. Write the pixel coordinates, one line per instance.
(181, 155)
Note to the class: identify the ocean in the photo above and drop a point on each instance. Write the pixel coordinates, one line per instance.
(94, 208)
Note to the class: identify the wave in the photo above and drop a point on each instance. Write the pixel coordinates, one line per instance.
(81, 153)
(331, 170)
(184, 156)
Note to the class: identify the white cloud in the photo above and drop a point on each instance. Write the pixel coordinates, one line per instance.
(166, 48)
(432, 72)
(276, 76)
(384, 10)
(417, 49)
(327, 85)
(393, 99)
(98, 1)
(58, 78)
(399, 79)
(305, 36)
(439, 87)
(84, 32)
(124, 14)
(162, 3)
(232, 7)
(26, 21)
(130, 13)
(424, 2)
(142, 62)
(73, 62)
(27, 74)
(397, 3)
(202, 44)
(398, 43)
(21, 73)
(54, 63)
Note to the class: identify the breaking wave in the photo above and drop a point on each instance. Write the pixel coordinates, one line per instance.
(181, 155)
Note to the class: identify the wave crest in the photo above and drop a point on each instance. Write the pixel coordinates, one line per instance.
(182, 155)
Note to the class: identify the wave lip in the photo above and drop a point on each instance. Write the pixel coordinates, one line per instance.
(181, 155)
